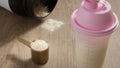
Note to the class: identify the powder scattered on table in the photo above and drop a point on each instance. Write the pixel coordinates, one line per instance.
(51, 24)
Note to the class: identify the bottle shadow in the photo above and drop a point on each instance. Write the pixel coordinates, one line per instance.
(19, 63)
(12, 26)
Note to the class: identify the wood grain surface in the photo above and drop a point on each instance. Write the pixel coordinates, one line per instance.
(14, 54)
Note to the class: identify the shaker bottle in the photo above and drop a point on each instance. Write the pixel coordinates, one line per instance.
(93, 22)
(31, 8)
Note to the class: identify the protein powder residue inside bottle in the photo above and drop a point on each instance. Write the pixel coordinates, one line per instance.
(40, 8)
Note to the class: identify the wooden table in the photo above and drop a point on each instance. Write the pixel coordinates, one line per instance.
(13, 54)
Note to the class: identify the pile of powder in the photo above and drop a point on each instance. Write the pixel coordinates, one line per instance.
(41, 12)
(51, 24)
(40, 9)
(39, 45)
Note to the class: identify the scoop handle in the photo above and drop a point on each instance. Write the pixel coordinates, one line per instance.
(27, 43)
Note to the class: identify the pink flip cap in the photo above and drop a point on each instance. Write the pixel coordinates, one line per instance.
(95, 17)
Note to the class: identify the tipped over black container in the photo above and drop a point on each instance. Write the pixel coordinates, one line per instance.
(30, 8)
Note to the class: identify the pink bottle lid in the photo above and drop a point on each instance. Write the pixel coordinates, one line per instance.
(95, 17)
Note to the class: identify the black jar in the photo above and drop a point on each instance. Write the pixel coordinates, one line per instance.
(30, 8)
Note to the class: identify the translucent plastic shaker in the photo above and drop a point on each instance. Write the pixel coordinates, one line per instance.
(93, 22)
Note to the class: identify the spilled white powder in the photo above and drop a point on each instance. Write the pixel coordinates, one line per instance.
(51, 24)
(39, 45)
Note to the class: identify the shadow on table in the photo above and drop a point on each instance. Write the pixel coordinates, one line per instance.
(18, 63)
(12, 26)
